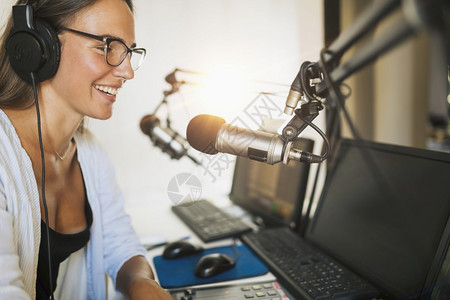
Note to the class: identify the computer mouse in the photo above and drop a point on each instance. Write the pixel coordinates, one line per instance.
(213, 264)
(180, 248)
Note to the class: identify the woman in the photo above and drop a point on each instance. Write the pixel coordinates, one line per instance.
(78, 199)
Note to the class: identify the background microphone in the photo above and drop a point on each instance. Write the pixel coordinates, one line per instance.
(210, 135)
(165, 138)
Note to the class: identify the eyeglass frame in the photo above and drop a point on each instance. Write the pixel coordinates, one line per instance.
(108, 40)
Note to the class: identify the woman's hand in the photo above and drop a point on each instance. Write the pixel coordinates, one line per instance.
(136, 280)
(147, 289)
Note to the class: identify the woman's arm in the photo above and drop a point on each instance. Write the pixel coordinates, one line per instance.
(136, 280)
(122, 255)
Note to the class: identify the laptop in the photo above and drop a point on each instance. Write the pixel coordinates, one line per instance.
(384, 215)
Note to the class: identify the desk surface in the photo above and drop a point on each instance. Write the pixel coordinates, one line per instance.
(156, 221)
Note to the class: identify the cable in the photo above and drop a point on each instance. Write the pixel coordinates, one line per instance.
(322, 134)
(303, 79)
(41, 146)
(330, 131)
(332, 87)
(349, 90)
(367, 154)
(304, 85)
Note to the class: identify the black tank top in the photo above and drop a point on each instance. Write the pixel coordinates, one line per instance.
(61, 245)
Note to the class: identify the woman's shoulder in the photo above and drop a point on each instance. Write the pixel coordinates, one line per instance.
(12, 155)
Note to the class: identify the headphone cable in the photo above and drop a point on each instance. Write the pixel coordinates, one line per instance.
(41, 146)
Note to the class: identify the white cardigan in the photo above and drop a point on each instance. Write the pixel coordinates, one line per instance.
(112, 241)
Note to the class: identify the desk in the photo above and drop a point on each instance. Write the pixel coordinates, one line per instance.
(159, 221)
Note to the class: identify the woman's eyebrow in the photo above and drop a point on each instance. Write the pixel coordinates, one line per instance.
(120, 39)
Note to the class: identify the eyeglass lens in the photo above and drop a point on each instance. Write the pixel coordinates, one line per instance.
(117, 51)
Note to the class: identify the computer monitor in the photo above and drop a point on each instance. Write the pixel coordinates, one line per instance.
(384, 212)
(274, 193)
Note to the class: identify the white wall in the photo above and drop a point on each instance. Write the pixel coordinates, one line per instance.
(263, 40)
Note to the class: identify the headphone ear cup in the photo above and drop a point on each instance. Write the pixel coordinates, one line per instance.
(51, 61)
(32, 46)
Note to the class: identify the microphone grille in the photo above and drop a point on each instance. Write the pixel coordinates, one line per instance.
(201, 133)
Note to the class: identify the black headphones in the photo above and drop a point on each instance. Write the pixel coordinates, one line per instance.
(32, 46)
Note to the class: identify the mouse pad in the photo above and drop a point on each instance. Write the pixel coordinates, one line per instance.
(179, 272)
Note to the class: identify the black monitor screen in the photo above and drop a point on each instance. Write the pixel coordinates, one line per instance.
(273, 192)
(383, 212)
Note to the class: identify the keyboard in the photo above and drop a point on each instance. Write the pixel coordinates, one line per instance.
(209, 222)
(303, 270)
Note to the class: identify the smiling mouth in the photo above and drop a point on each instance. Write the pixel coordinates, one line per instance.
(106, 89)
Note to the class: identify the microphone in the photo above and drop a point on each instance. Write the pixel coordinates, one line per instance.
(210, 135)
(165, 138)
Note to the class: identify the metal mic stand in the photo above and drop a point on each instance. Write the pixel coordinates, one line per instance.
(163, 144)
(417, 14)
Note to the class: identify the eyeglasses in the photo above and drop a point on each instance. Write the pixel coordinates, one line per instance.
(115, 50)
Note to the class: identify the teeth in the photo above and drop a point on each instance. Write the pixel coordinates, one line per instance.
(106, 89)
